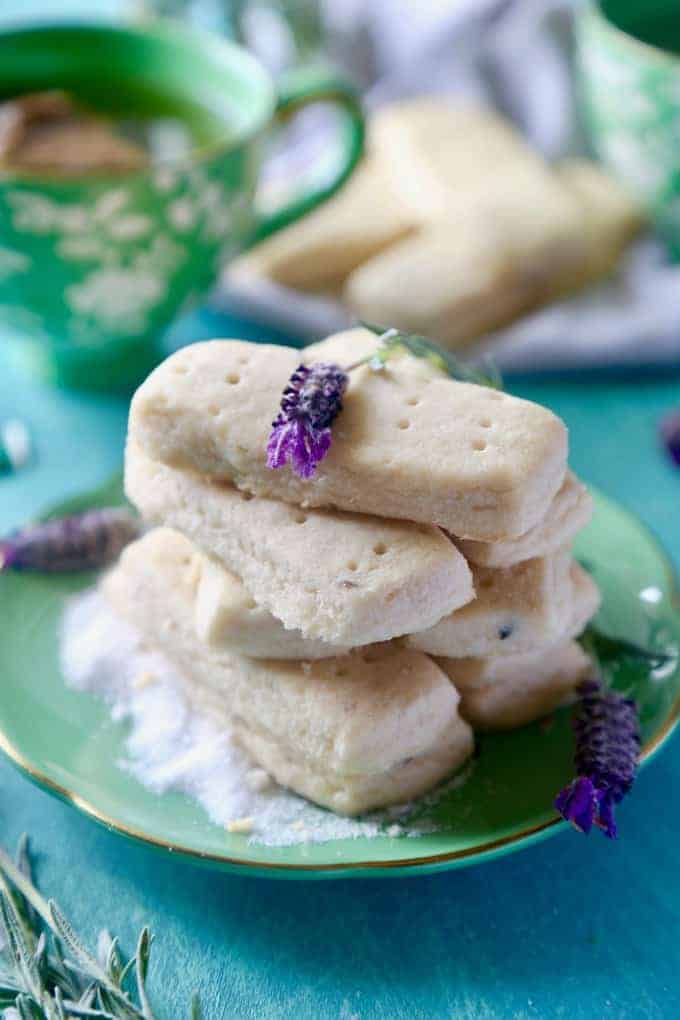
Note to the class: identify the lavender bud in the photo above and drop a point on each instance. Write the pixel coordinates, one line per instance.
(301, 433)
(78, 542)
(607, 745)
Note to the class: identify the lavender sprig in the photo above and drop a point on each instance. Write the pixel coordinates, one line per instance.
(301, 433)
(78, 542)
(607, 737)
(312, 400)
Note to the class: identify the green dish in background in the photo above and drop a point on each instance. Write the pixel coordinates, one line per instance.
(67, 743)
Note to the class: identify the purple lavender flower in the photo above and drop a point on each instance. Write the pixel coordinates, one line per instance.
(670, 434)
(607, 744)
(78, 542)
(301, 433)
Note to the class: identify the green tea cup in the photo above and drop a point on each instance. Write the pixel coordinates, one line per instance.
(628, 57)
(93, 269)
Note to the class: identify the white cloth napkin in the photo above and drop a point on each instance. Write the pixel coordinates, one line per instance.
(516, 55)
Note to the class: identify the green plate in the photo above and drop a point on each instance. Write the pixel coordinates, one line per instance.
(66, 742)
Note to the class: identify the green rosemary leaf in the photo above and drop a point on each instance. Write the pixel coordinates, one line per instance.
(87, 961)
(102, 1002)
(142, 958)
(23, 861)
(75, 1010)
(23, 858)
(5, 932)
(27, 1009)
(18, 908)
(87, 997)
(38, 963)
(8, 993)
(59, 1004)
(25, 966)
(108, 1003)
(16, 877)
(58, 974)
(103, 946)
(47, 973)
(112, 962)
(68, 936)
(393, 340)
(129, 966)
(41, 948)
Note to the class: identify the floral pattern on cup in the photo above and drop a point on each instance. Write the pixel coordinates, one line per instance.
(631, 95)
(123, 254)
(12, 262)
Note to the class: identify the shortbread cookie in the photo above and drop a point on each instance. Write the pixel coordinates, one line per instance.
(227, 616)
(477, 272)
(449, 282)
(562, 225)
(352, 733)
(611, 216)
(320, 250)
(225, 613)
(344, 578)
(410, 442)
(450, 159)
(568, 513)
(469, 172)
(513, 690)
(519, 609)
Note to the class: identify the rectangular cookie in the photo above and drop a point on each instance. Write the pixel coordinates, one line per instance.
(569, 512)
(409, 443)
(371, 728)
(513, 690)
(452, 282)
(451, 159)
(611, 216)
(518, 609)
(321, 249)
(344, 578)
(225, 615)
(564, 225)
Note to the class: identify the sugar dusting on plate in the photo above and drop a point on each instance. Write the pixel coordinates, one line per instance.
(171, 747)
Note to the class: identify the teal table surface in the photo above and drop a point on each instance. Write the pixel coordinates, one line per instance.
(575, 927)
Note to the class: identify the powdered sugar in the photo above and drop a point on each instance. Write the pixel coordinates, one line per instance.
(172, 747)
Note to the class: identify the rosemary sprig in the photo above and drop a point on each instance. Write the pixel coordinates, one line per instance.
(393, 340)
(46, 973)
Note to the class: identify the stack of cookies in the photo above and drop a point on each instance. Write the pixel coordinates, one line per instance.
(352, 628)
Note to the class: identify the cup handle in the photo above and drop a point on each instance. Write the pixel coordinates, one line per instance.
(296, 89)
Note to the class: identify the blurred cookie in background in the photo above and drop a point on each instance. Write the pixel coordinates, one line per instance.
(453, 226)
